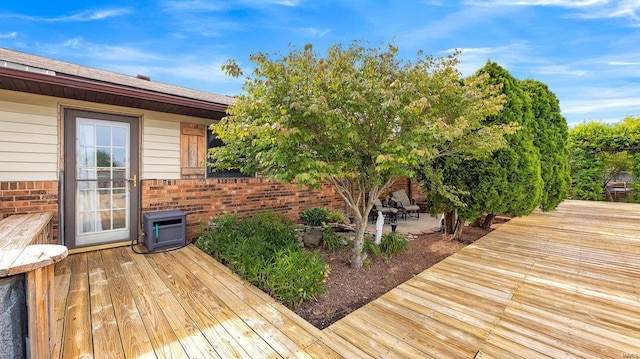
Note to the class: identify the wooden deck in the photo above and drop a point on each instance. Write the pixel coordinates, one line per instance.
(182, 304)
(563, 284)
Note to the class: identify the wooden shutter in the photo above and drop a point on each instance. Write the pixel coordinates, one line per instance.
(193, 142)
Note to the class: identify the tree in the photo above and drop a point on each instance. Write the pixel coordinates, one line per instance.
(550, 136)
(587, 165)
(506, 182)
(599, 150)
(510, 181)
(356, 119)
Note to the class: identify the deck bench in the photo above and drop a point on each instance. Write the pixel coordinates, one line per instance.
(25, 250)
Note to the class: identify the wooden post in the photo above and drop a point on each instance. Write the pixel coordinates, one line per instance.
(26, 249)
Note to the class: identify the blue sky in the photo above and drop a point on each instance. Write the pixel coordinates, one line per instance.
(586, 51)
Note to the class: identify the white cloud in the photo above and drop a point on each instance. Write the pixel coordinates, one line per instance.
(196, 6)
(563, 3)
(595, 105)
(189, 72)
(94, 15)
(586, 9)
(452, 23)
(608, 103)
(560, 70)
(284, 2)
(82, 16)
(473, 58)
(572, 81)
(433, 2)
(9, 35)
(312, 31)
(104, 52)
(202, 72)
(623, 63)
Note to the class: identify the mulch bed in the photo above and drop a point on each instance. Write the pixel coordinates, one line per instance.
(349, 288)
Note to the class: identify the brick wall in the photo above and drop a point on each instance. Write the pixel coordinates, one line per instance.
(204, 199)
(411, 188)
(30, 197)
(201, 199)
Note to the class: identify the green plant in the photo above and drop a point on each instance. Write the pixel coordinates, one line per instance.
(393, 242)
(366, 263)
(335, 217)
(371, 247)
(330, 241)
(314, 216)
(264, 250)
(296, 276)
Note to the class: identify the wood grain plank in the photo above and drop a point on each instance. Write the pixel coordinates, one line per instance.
(62, 281)
(106, 337)
(423, 330)
(247, 309)
(391, 344)
(559, 284)
(230, 336)
(17, 232)
(38, 312)
(305, 333)
(185, 328)
(163, 339)
(78, 341)
(134, 338)
(35, 256)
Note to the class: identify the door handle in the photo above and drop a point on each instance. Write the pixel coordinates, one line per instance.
(134, 180)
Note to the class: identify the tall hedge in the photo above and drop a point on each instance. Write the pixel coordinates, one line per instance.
(533, 170)
(510, 181)
(550, 135)
(592, 146)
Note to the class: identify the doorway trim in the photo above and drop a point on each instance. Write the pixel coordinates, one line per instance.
(69, 178)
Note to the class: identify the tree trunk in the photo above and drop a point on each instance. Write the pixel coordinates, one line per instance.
(458, 232)
(452, 225)
(477, 223)
(358, 243)
(488, 221)
(449, 222)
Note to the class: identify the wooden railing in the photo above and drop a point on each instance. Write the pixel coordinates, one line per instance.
(25, 248)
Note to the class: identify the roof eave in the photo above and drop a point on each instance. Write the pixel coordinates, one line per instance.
(69, 81)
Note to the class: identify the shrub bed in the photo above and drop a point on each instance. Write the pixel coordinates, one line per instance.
(264, 250)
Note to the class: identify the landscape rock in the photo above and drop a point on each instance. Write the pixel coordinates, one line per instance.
(312, 236)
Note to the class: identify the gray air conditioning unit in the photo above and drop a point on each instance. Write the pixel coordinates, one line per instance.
(164, 230)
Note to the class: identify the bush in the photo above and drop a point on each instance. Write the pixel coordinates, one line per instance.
(260, 247)
(296, 276)
(320, 216)
(335, 217)
(314, 216)
(393, 242)
(330, 241)
(371, 247)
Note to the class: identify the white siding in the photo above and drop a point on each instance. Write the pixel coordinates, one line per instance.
(161, 149)
(28, 138)
(30, 142)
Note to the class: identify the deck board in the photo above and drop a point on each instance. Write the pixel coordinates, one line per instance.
(562, 284)
(104, 324)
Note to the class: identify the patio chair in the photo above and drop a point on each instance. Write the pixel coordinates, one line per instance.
(405, 205)
(387, 212)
